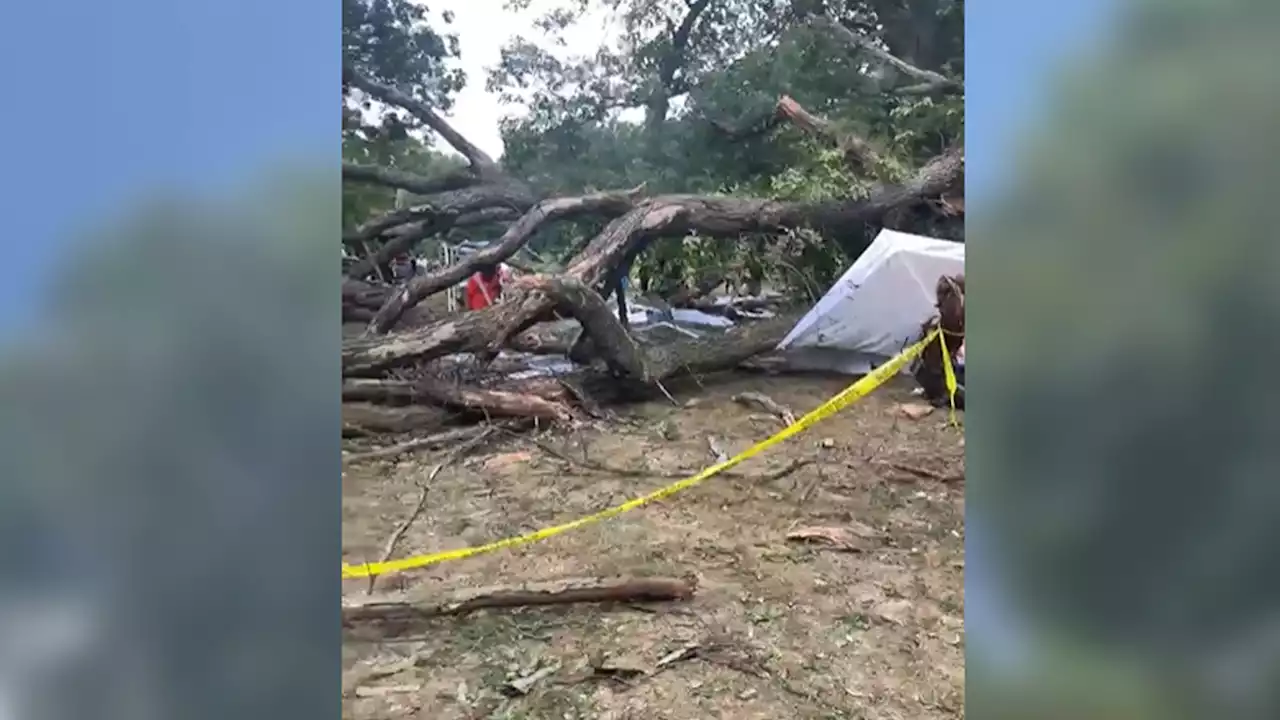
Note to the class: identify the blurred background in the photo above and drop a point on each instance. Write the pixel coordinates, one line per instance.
(169, 507)
(1121, 515)
(168, 415)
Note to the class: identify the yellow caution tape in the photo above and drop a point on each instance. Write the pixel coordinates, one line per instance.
(861, 388)
(949, 377)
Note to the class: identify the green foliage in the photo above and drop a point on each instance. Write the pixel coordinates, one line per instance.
(393, 42)
(740, 57)
(640, 110)
(370, 147)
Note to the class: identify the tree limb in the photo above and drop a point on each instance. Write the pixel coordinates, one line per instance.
(395, 616)
(930, 81)
(511, 241)
(490, 329)
(858, 150)
(611, 340)
(414, 183)
(434, 215)
(483, 165)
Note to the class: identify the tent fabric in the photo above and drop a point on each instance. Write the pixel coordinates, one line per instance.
(877, 307)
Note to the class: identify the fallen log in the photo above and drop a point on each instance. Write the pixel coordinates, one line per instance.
(361, 419)
(501, 403)
(393, 617)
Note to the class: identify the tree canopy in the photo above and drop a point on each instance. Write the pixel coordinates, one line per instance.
(681, 97)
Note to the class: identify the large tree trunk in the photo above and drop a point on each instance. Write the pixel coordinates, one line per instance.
(615, 363)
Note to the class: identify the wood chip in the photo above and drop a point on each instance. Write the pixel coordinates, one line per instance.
(835, 537)
(685, 653)
(386, 690)
(915, 411)
(504, 460)
(522, 686)
(897, 612)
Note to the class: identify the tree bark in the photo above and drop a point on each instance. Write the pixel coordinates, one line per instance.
(482, 165)
(414, 183)
(360, 419)
(398, 615)
(511, 241)
(489, 330)
(500, 403)
(929, 81)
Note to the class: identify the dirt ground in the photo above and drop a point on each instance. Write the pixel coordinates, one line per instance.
(784, 628)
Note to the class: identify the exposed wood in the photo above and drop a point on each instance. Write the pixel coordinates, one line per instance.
(610, 338)
(385, 392)
(929, 371)
(500, 403)
(856, 149)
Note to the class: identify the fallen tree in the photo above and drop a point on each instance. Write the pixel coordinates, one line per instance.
(414, 370)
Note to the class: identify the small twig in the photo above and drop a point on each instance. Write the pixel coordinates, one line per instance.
(925, 472)
(684, 653)
(400, 530)
(664, 392)
(785, 471)
(423, 486)
(417, 444)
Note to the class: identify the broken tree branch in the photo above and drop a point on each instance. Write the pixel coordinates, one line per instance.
(857, 150)
(610, 339)
(512, 240)
(395, 615)
(423, 488)
(493, 402)
(414, 183)
(489, 330)
(434, 215)
(481, 164)
(930, 81)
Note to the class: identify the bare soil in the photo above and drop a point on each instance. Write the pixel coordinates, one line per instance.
(785, 629)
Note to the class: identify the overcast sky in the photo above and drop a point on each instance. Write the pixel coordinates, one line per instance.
(482, 29)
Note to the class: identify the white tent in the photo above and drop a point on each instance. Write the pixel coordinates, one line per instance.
(877, 307)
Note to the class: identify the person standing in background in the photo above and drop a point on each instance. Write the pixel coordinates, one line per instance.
(484, 288)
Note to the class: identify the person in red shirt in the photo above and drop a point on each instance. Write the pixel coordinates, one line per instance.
(484, 288)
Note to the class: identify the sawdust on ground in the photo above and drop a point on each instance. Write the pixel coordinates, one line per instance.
(786, 629)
